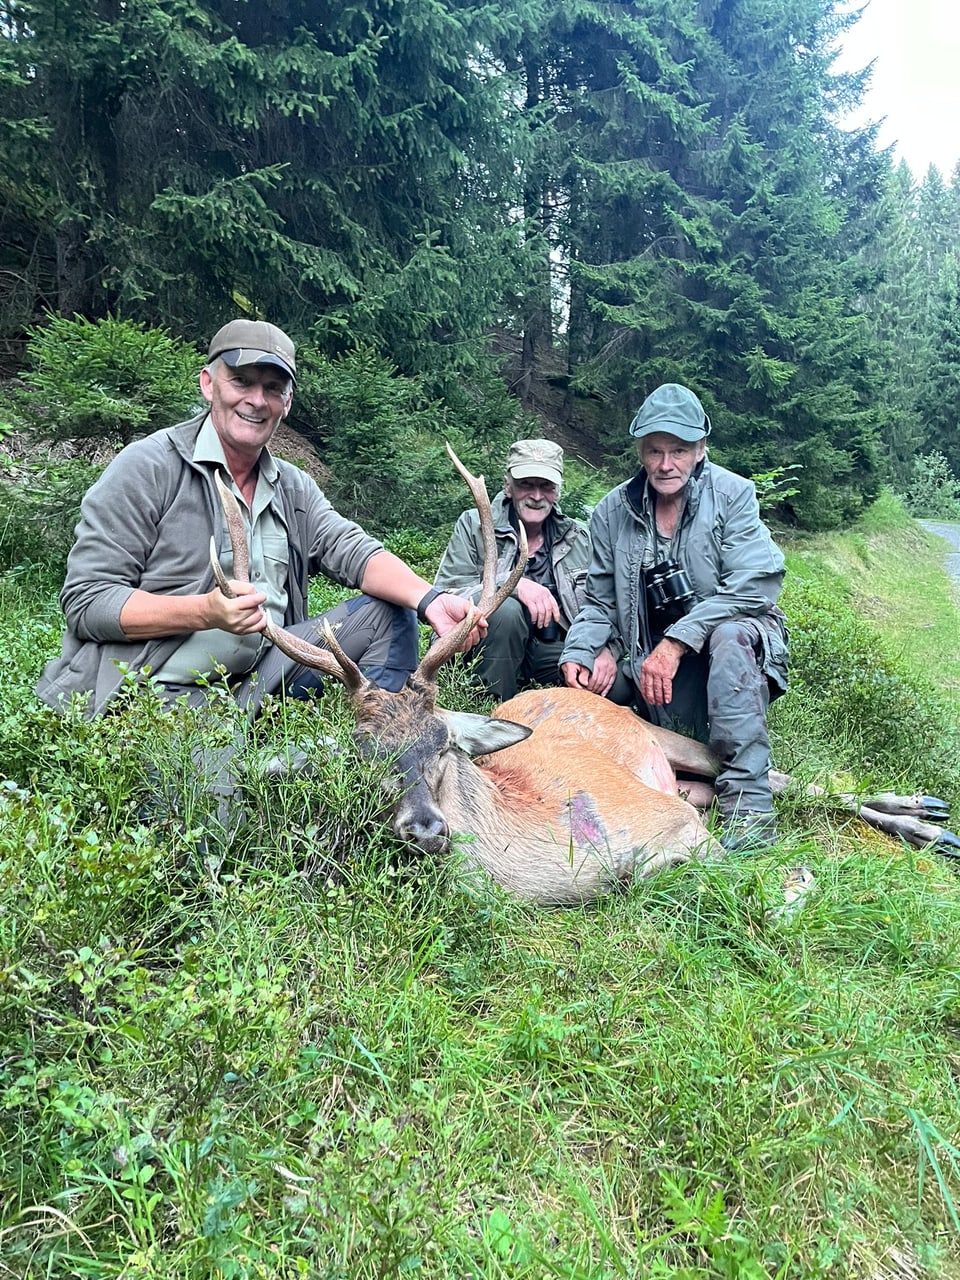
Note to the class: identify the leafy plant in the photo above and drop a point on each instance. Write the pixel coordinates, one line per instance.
(775, 486)
(934, 488)
(110, 378)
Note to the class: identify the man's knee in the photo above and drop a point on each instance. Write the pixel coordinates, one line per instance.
(381, 638)
(511, 620)
(733, 633)
(735, 655)
(500, 656)
(507, 635)
(384, 638)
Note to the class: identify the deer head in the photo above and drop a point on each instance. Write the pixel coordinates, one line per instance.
(405, 728)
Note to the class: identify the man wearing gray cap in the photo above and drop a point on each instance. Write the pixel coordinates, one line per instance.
(139, 588)
(525, 636)
(681, 618)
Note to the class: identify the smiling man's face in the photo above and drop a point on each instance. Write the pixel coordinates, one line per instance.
(246, 405)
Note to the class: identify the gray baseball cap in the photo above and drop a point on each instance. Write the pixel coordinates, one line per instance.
(536, 458)
(254, 342)
(673, 409)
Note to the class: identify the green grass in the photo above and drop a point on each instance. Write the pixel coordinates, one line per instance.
(895, 572)
(875, 655)
(320, 1057)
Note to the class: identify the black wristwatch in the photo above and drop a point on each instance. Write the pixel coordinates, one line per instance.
(426, 601)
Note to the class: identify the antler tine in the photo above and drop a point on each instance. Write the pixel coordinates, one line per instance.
(516, 573)
(490, 598)
(481, 498)
(441, 650)
(332, 661)
(238, 538)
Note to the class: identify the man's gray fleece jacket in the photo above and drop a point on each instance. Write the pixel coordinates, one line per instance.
(734, 566)
(146, 523)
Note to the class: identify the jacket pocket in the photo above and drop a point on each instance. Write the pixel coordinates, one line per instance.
(572, 590)
(775, 663)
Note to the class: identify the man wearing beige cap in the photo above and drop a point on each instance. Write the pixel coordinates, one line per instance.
(525, 636)
(139, 589)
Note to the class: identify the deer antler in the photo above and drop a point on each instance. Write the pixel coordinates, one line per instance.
(331, 661)
(491, 598)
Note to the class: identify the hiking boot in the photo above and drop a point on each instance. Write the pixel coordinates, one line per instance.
(749, 832)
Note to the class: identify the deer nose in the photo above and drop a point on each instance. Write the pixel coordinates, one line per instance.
(429, 833)
(418, 819)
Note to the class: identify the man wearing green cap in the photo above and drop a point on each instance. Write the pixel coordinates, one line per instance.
(681, 616)
(139, 589)
(524, 638)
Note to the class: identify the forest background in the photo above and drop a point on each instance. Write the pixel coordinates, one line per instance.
(446, 202)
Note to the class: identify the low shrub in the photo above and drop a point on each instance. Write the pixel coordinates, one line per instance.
(112, 378)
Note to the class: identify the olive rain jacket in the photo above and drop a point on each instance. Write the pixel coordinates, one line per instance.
(461, 566)
(146, 523)
(734, 567)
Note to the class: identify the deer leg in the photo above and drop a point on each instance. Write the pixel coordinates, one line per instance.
(928, 807)
(921, 835)
(902, 816)
(700, 794)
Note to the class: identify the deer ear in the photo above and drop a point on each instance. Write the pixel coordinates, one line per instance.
(481, 735)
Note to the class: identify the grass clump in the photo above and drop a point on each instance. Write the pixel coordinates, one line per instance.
(875, 659)
(400, 1074)
(853, 704)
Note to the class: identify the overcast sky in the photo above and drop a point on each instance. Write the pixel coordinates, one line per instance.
(916, 78)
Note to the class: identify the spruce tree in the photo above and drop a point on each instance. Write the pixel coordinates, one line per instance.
(939, 399)
(712, 220)
(337, 168)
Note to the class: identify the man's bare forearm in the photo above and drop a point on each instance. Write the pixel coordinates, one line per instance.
(147, 615)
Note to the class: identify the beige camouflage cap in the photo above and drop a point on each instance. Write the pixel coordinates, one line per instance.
(540, 459)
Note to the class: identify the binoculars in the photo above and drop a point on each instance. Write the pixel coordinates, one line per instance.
(669, 592)
(550, 632)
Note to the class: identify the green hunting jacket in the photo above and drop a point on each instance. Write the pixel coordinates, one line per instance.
(734, 566)
(461, 566)
(146, 523)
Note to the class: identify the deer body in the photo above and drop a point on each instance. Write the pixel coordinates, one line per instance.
(584, 803)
